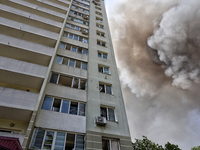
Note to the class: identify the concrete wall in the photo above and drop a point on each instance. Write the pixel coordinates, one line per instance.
(17, 99)
(61, 121)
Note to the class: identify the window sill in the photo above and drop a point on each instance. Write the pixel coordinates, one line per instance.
(106, 93)
(105, 74)
(102, 46)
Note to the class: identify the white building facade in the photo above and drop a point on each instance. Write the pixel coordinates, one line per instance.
(59, 85)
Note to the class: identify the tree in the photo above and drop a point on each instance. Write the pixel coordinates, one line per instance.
(146, 144)
(196, 148)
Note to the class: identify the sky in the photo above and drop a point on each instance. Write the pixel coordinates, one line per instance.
(157, 47)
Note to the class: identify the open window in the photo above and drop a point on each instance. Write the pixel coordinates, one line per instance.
(108, 113)
(103, 69)
(101, 43)
(105, 88)
(110, 144)
(102, 55)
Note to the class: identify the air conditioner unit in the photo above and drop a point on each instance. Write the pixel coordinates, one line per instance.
(100, 121)
(85, 17)
(84, 32)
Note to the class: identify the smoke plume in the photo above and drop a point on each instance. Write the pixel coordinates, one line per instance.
(176, 40)
(156, 43)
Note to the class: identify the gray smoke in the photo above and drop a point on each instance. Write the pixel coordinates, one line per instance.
(151, 57)
(177, 42)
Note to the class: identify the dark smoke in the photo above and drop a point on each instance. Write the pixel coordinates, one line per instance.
(156, 62)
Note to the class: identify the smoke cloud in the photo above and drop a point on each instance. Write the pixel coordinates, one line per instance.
(176, 40)
(156, 43)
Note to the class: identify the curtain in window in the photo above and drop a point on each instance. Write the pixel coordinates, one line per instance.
(111, 114)
(60, 141)
(37, 139)
(47, 103)
(114, 145)
(65, 107)
(48, 140)
(79, 142)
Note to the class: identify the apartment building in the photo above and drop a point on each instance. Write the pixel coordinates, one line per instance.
(59, 85)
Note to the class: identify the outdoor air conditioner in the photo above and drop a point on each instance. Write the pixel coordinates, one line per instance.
(85, 17)
(84, 32)
(100, 121)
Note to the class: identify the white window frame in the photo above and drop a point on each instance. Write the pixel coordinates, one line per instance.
(105, 88)
(110, 142)
(107, 113)
(104, 69)
(102, 54)
(101, 43)
(54, 138)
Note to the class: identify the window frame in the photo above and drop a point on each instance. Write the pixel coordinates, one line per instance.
(105, 88)
(102, 54)
(104, 69)
(54, 138)
(110, 142)
(79, 84)
(101, 43)
(61, 104)
(80, 38)
(107, 113)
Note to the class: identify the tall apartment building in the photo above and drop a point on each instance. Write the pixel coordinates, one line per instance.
(59, 85)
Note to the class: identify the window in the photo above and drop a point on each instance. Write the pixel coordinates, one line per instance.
(98, 8)
(75, 27)
(73, 6)
(102, 55)
(75, 37)
(110, 144)
(78, 20)
(104, 88)
(99, 19)
(44, 139)
(68, 81)
(98, 13)
(72, 48)
(100, 26)
(101, 43)
(77, 13)
(108, 113)
(63, 106)
(100, 33)
(103, 69)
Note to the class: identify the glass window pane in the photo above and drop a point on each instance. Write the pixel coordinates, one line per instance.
(80, 50)
(106, 70)
(70, 141)
(77, 28)
(37, 138)
(99, 54)
(81, 39)
(84, 66)
(80, 21)
(68, 47)
(75, 37)
(85, 52)
(66, 81)
(100, 69)
(48, 140)
(62, 45)
(82, 84)
(68, 25)
(73, 108)
(104, 112)
(75, 83)
(73, 26)
(114, 145)
(70, 36)
(73, 6)
(47, 103)
(54, 78)
(65, 61)
(111, 114)
(85, 41)
(56, 105)
(105, 144)
(81, 109)
(74, 49)
(105, 56)
(65, 107)
(79, 142)
(108, 89)
(58, 60)
(101, 88)
(78, 64)
(72, 63)
(60, 141)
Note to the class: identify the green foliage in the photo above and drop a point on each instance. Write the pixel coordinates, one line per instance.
(196, 148)
(146, 144)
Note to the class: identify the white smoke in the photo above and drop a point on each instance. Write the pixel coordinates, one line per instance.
(177, 42)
